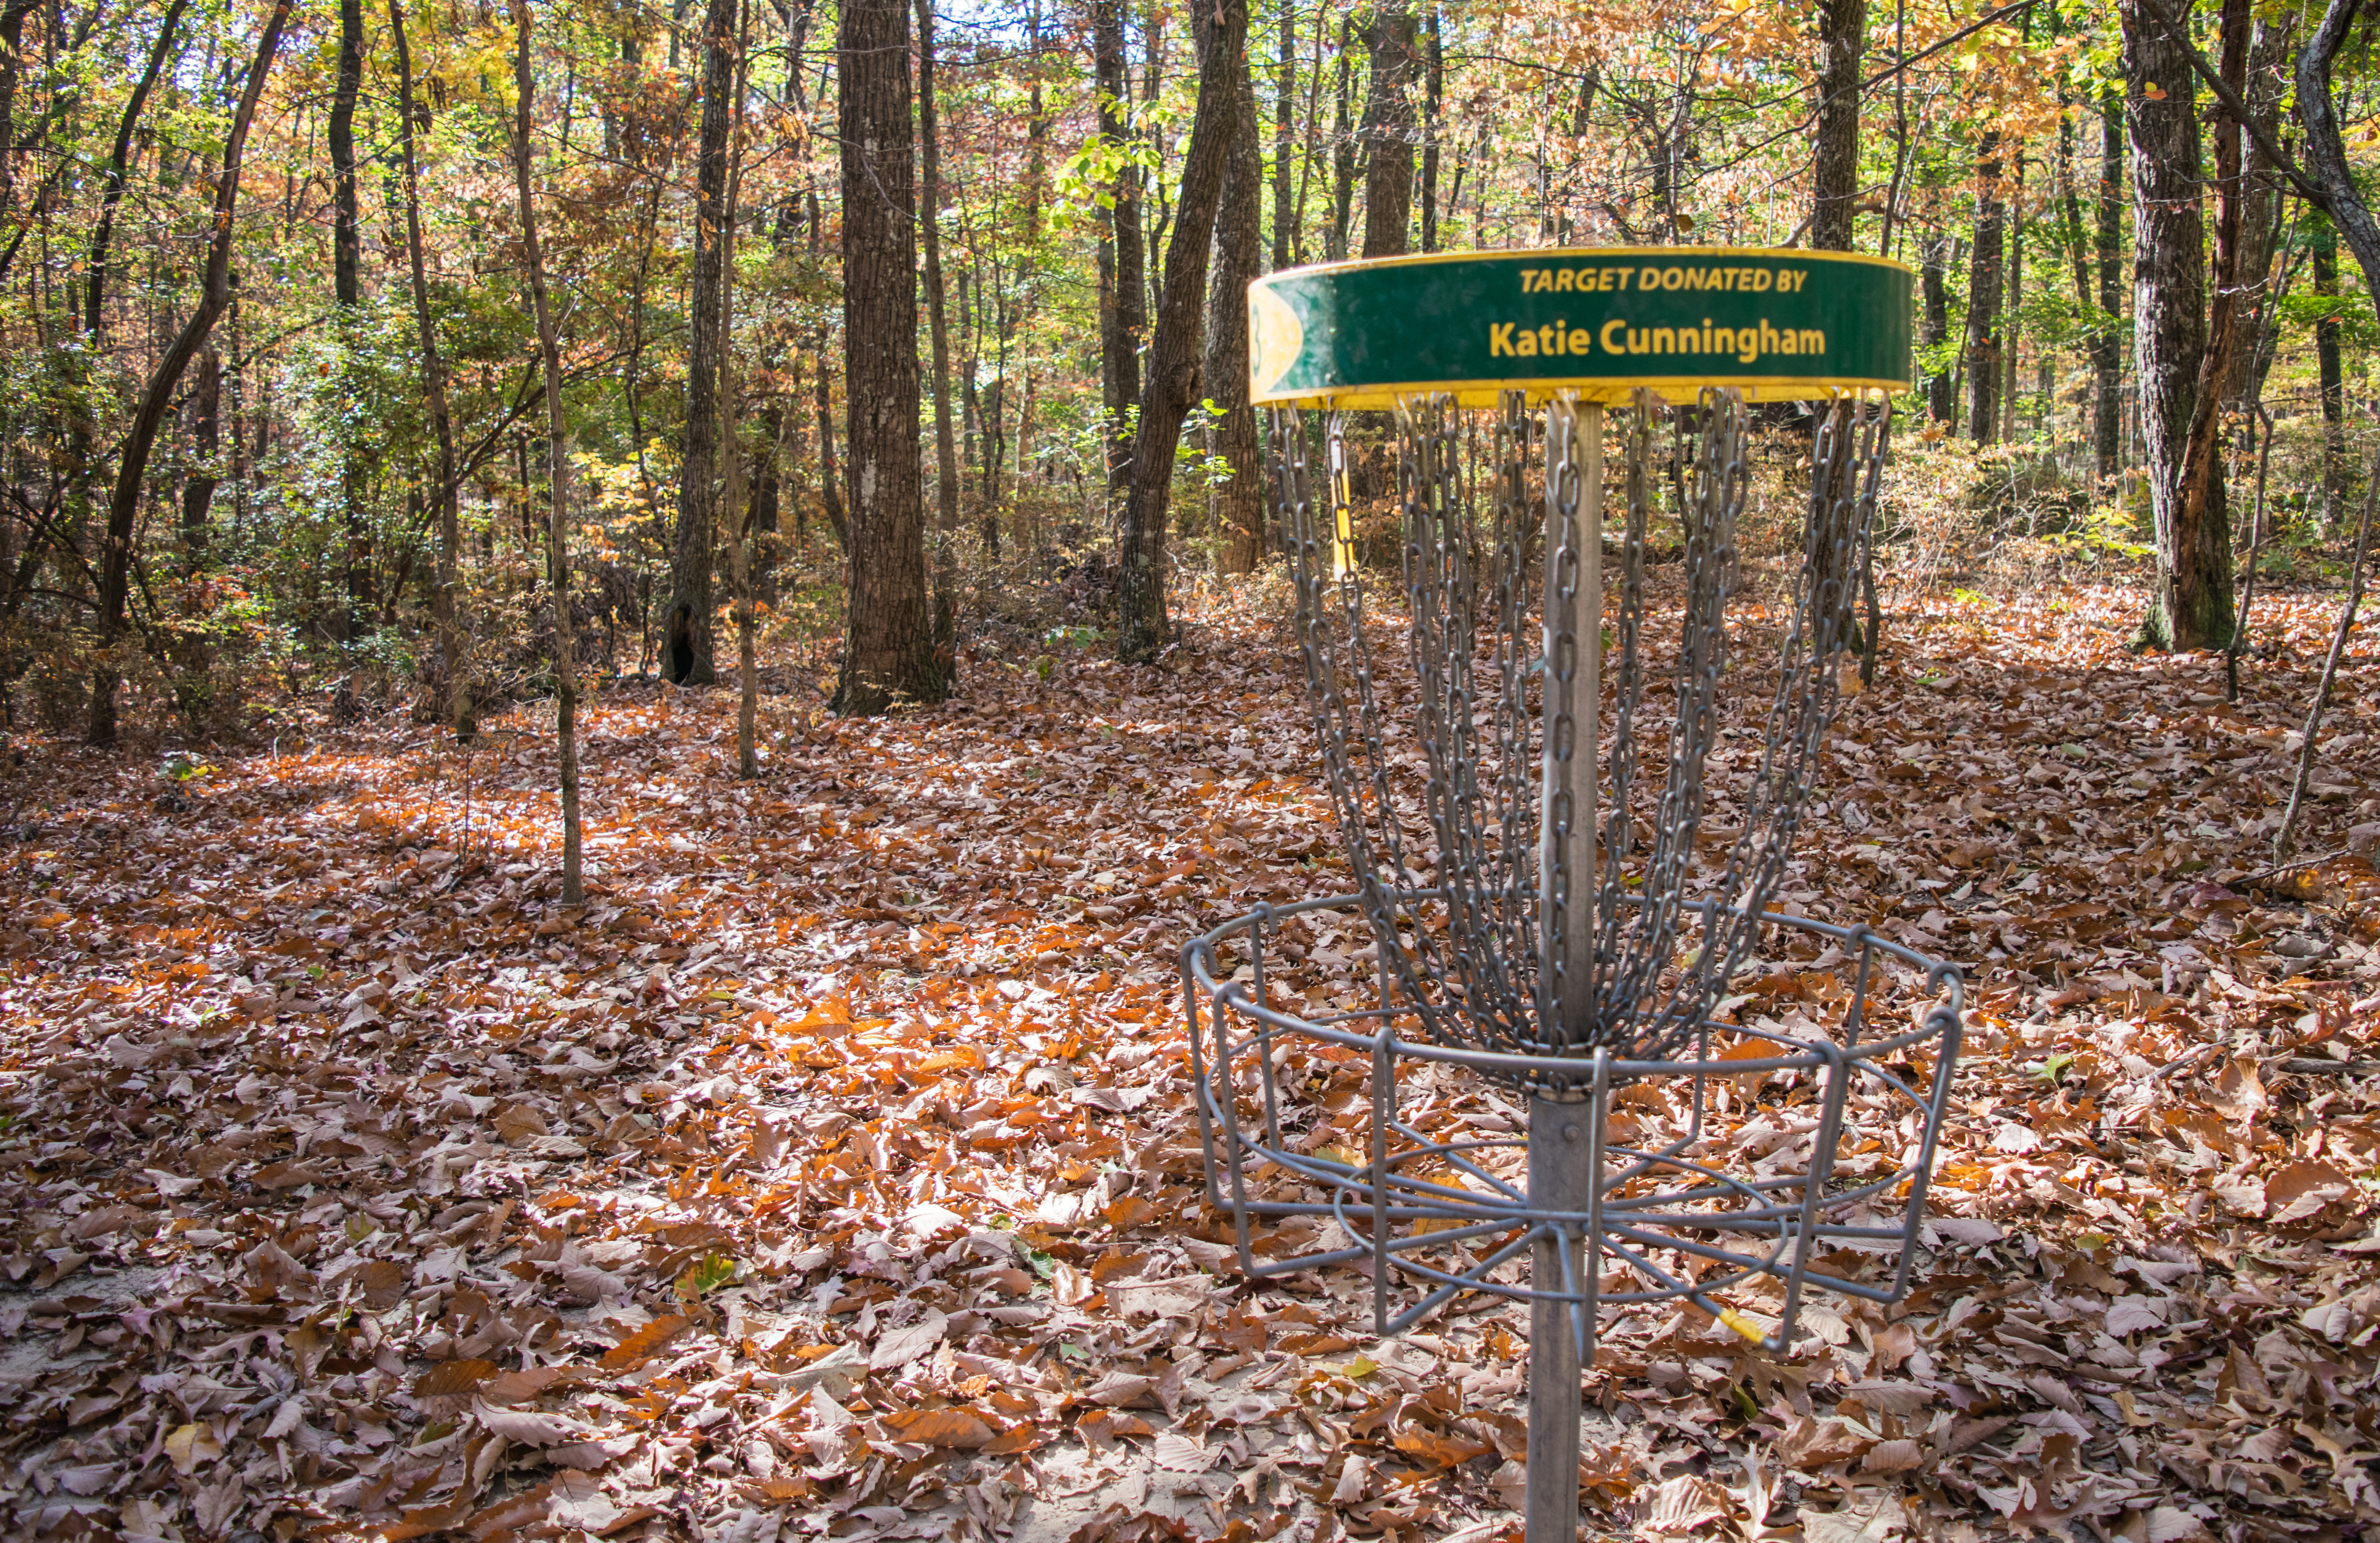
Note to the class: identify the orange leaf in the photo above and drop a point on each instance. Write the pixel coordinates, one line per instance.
(938, 1428)
(640, 1346)
(1446, 1451)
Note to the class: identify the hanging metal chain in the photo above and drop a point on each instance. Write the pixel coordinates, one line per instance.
(1534, 921)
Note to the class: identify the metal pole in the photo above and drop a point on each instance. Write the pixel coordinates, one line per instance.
(1558, 1181)
(1561, 1177)
(1571, 710)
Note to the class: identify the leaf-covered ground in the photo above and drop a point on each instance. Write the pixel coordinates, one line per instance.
(831, 1171)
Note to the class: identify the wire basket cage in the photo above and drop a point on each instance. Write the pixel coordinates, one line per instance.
(1559, 894)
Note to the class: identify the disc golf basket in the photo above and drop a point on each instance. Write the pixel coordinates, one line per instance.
(1560, 899)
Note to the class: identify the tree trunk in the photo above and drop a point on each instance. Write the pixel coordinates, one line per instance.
(2170, 326)
(1834, 171)
(693, 661)
(1122, 317)
(214, 293)
(1388, 133)
(1984, 271)
(2012, 306)
(830, 479)
(557, 468)
(1285, 81)
(446, 602)
(1433, 104)
(1941, 387)
(2106, 338)
(946, 452)
(888, 652)
(2327, 329)
(1342, 152)
(1174, 351)
(2261, 191)
(1239, 506)
(206, 433)
(346, 288)
(12, 29)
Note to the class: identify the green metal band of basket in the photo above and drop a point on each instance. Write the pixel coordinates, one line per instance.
(1597, 323)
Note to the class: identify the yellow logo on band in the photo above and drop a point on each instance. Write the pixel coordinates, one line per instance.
(1275, 338)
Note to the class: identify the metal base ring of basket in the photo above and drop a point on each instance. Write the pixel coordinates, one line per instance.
(1633, 1172)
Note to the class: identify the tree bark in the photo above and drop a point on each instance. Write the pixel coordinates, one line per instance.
(446, 602)
(1986, 270)
(1122, 317)
(1388, 133)
(1834, 172)
(1239, 505)
(1172, 385)
(2192, 607)
(557, 459)
(888, 652)
(694, 662)
(946, 452)
(2201, 560)
(124, 503)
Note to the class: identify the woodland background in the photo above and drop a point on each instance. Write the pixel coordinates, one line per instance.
(466, 1072)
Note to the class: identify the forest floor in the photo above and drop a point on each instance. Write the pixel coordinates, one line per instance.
(832, 1171)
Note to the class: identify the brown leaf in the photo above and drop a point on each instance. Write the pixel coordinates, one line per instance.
(450, 1377)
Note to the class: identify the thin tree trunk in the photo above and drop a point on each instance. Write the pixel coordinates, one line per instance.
(1388, 133)
(730, 433)
(1834, 172)
(1985, 271)
(557, 459)
(1283, 98)
(2286, 835)
(2327, 330)
(2013, 307)
(693, 660)
(206, 435)
(946, 452)
(1434, 104)
(1122, 317)
(1342, 152)
(2106, 338)
(1174, 351)
(887, 638)
(829, 480)
(346, 282)
(12, 31)
(446, 600)
(214, 293)
(2260, 191)
(1934, 260)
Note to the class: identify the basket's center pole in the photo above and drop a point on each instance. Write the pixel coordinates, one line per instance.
(1561, 1177)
